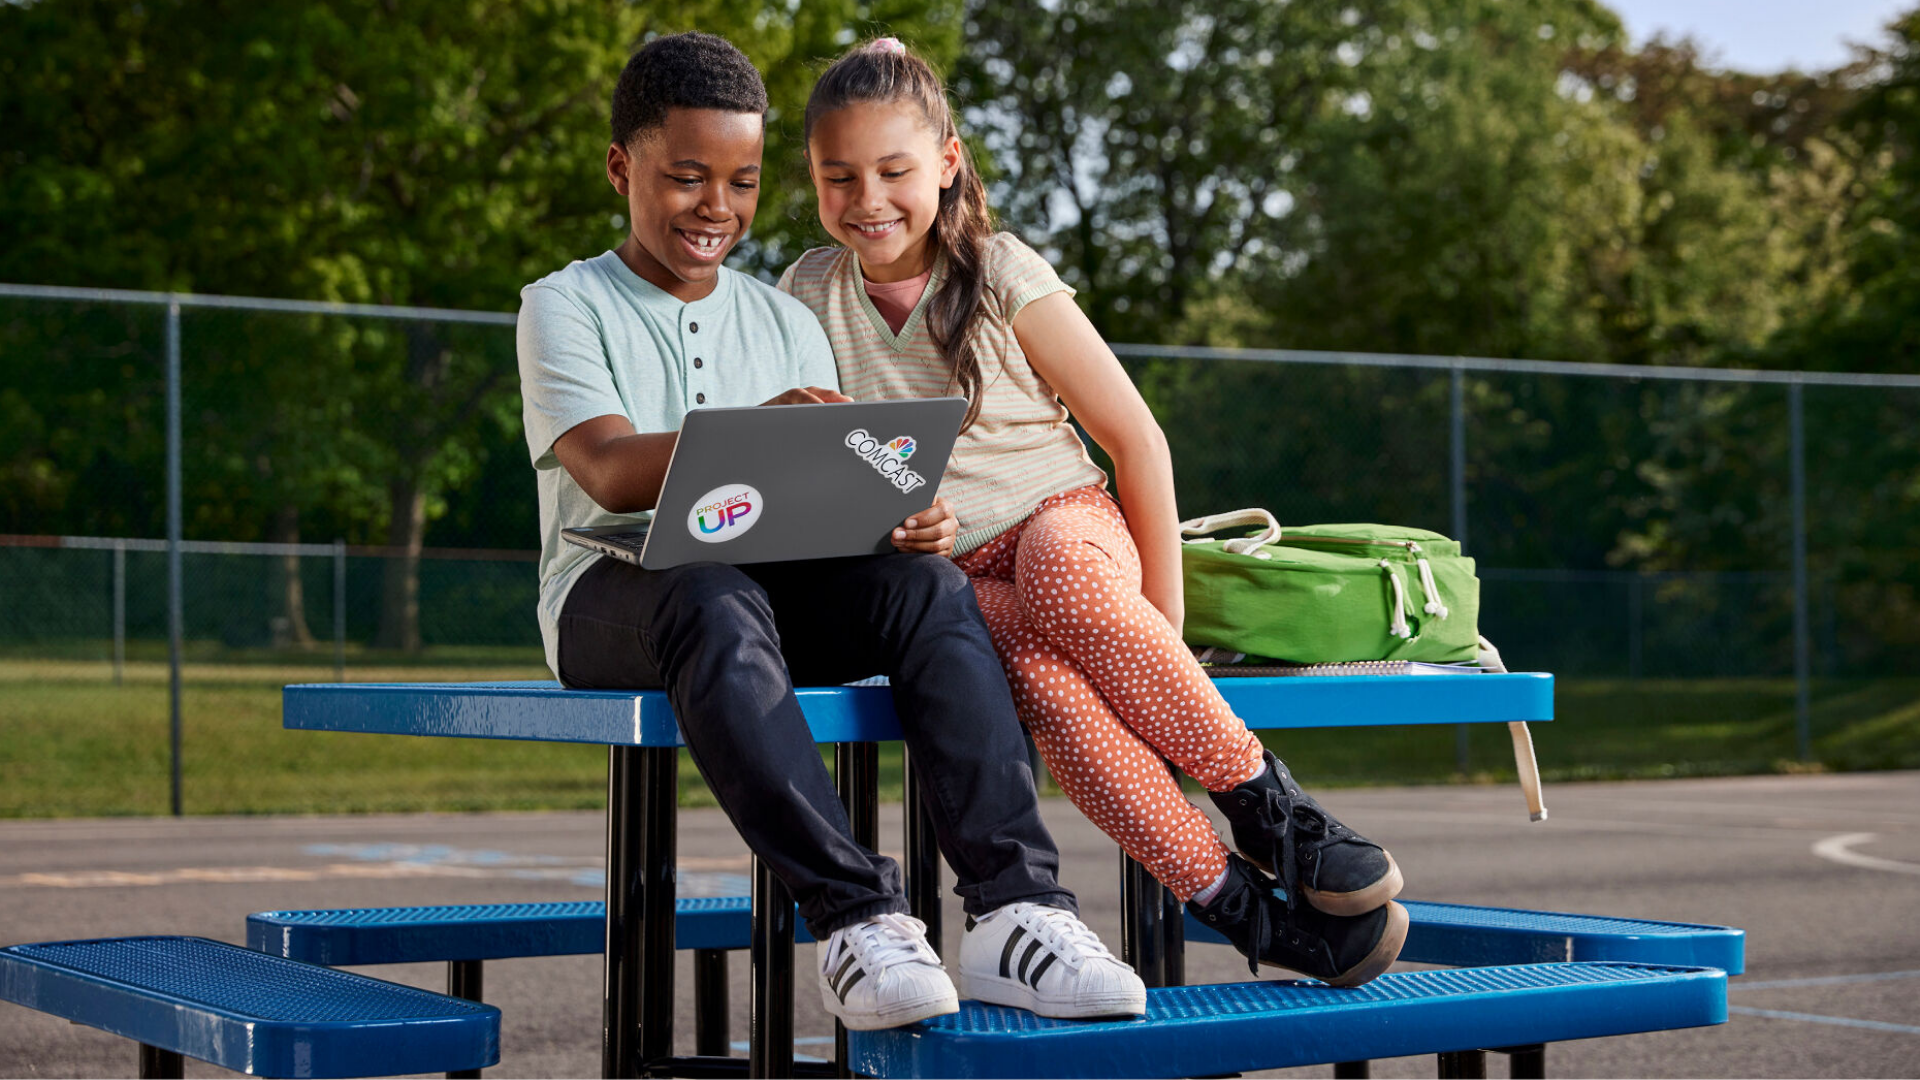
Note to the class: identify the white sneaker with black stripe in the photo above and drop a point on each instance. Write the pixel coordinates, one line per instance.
(881, 973)
(1046, 960)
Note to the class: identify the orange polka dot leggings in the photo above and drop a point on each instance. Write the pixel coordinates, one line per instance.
(1107, 688)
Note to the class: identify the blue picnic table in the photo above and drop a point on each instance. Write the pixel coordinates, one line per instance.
(643, 739)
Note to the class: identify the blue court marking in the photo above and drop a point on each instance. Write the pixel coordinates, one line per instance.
(520, 866)
(742, 1046)
(1824, 980)
(1837, 1021)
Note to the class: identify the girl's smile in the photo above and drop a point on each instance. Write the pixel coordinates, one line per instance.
(878, 171)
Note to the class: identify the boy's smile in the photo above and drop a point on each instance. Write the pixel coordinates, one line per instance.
(692, 185)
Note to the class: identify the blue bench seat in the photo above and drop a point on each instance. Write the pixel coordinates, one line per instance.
(346, 937)
(1454, 935)
(1243, 1027)
(245, 1011)
(1460, 935)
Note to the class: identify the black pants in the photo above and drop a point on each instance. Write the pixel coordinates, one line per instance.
(728, 643)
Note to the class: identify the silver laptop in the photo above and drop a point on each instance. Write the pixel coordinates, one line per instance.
(772, 483)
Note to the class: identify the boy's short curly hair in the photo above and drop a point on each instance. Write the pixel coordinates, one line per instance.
(685, 71)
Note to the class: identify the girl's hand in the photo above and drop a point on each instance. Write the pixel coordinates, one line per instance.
(809, 395)
(932, 530)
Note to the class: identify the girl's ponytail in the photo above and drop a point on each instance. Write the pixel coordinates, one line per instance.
(883, 71)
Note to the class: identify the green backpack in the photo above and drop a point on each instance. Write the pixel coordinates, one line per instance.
(1322, 594)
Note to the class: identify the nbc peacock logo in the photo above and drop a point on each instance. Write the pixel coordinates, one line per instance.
(889, 459)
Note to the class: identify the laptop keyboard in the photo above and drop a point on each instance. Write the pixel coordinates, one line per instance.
(633, 541)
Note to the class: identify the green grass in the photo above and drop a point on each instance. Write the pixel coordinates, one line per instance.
(73, 744)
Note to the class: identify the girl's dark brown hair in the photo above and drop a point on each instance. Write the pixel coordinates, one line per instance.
(886, 71)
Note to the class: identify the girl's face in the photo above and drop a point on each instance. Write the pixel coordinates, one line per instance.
(878, 171)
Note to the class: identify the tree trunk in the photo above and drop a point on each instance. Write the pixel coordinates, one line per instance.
(293, 601)
(400, 570)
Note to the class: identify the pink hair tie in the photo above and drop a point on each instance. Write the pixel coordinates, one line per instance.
(888, 45)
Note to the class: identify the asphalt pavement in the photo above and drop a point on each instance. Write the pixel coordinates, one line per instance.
(1823, 872)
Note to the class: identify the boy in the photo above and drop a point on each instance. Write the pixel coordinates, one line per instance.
(613, 352)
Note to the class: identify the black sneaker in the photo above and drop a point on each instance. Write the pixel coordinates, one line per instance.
(1280, 829)
(1339, 950)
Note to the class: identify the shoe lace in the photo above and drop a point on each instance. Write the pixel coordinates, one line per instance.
(1245, 904)
(1292, 822)
(891, 938)
(1281, 821)
(1065, 935)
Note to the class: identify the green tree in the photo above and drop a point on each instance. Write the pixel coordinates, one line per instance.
(437, 154)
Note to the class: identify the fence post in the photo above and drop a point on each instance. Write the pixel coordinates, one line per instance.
(1802, 646)
(1457, 460)
(1635, 625)
(176, 620)
(119, 609)
(339, 610)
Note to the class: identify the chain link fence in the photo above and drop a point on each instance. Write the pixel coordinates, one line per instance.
(352, 499)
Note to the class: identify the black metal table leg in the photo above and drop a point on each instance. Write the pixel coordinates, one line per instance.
(923, 861)
(770, 1021)
(1173, 928)
(160, 1064)
(642, 795)
(659, 859)
(710, 1035)
(1142, 912)
(1525, 1062)
(856, 773)
(1463, 1065)
(466, 979)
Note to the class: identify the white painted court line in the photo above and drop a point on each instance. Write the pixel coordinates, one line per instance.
(1824, 980)
(1839, 849)
(1837, 1021)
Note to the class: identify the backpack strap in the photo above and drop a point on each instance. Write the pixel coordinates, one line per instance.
(1524, 762)
(1199, 527)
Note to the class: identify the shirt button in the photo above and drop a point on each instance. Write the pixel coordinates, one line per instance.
(697, 362)
(699, 399)
(693, 328)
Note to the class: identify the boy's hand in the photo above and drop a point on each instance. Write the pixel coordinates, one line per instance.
(932, 530)
(809, 395)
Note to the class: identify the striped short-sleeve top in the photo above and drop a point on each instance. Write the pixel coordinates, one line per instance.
(1021, 449)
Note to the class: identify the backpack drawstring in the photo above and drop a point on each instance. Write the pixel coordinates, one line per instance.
(1399, 628)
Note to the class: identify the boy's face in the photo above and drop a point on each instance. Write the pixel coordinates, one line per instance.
(692, 185)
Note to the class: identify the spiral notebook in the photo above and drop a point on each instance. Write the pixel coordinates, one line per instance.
(1358, 667)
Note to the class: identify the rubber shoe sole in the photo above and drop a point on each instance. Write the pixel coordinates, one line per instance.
(1358, 902)
(898, 1014)
(1392, 938)
(994, 990)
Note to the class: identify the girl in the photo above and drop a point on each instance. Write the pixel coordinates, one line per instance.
(1084, 603)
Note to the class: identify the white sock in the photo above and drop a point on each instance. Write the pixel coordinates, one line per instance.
(1205, 896)
(1257, 773)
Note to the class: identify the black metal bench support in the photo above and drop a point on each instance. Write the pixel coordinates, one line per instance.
(466, 979)
(856, 772)
(923, 861)
(1463, 1065)
(1525, 1062)
(160, 1064)
(710, 1028)
(770, 1022)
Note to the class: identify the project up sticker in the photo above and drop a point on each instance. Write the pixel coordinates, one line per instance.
(725, 513)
